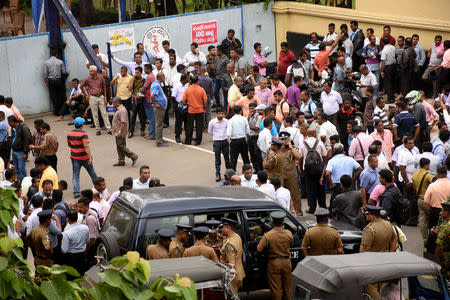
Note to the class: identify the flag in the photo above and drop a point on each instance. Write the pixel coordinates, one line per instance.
(38, 13)
(122, 10)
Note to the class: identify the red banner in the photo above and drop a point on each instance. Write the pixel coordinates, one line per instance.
(204, 33)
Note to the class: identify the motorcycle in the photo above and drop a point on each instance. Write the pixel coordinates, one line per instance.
(271, 67)
(358, 102)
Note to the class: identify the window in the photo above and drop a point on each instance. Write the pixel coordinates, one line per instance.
(121, 223)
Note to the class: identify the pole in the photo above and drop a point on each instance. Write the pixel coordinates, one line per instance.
(108, 47)
(165, 8)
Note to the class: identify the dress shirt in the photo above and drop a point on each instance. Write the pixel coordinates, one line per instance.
(331, 37)
(309, 106)
(255, 121)
(283, 196)
(264, 140)
(54, 68)
(339, 73)
(160, 97)
(435, 51)
(234, 94)
(257, 59)
(91, 220)
(295, 136)
(191, 57)
(327, 129)
(178, 91)
(238, 127)
(420, 55)
(388, 55)
(268, 189)
(439, 151)
(280, 87)
(131, 65)
(249, 183)
(264, 95)
(171, 75)
(75, 238)
(29, 223)
(341, 165)
(437, 192)
(369, 79)
(95, 85)
(138, 185)
(165, 57)
(293, 95)
(415, 151)
(382, 161)
(430, 112)
(313, 49)
(244, 103)
(355, 150)
(156, 71)
(369, 179)
(104, 57)
(330, 102)
(434, 161)
(147, 56)
(386, 142)
(49, 174)
(97, 207)
(321, 149)
(446, 59)
(406, 159)
(218, 129)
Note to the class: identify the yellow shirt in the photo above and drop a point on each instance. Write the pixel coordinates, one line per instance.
(50, 174)
(417, 178)
(122, 87)
(234, 94)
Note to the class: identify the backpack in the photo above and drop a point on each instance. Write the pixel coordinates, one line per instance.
(313, 161)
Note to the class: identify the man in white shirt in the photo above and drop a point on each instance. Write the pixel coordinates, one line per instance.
(167, 52)
(37, 202)
(217, 127)
(171, 72)
(158, 67)
(367, 79)
(100, 187)
(330, 38)
(192, 56)
(388, 68)
(264, 186)
(327, 129)
(369, 33)
(132, 65)
(330, 101)
(143, 180)
(282, 195)
(237, 130)
(102, 57)
(294, 133)
(180, 112)
(265, 138)
(248, 179)
(103, 205)
(427, 149)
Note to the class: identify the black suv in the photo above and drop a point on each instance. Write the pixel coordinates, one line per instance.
(137, 215)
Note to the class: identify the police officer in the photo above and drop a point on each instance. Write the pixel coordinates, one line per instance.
(214, 239)
(443, 240)
(199, 248)
(176, 248)
(274, 160)
(41, 243)
(160, 250)
(279, 270)
(377, 236)
(322, 239)
(231, 251)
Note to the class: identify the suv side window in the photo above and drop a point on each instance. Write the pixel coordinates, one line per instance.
(121, 223)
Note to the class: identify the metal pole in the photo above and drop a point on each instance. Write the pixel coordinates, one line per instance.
(108, 47)
(165, 8)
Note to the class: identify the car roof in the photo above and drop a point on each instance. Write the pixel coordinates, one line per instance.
(333, 273)
(172, 200)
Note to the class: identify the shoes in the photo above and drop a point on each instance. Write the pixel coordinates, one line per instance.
(309, 211)
(159, 144)
(119, 164)
(76, 195)
(92, 126)
(130, 134)
(142, 132)
(98, 132)
(218, 178)
(164, 141)
(165, 126)
(110, 131)
(178, 140)
(186, 143)
(196, 143)
(133, 161)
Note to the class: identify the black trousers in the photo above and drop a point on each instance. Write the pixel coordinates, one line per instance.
(53, 160)
(166, 116)
(315, 192)
(127, 104)
(180, 120)
(412, 198)
(336, 190)
(137, 111)
(255, 153)
(405, 82)
(189, 128)
(221, 148)
(57, 91)
(76, 261)
(389, 79)
(238, 146)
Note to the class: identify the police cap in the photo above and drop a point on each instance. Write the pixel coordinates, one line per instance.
(278, 215)
(276, 141)
(165, 234)
(45, 214)
(374, 209)
(201, 229)
(320, 211)
(284, 134)
(184, 227)
(226, 221)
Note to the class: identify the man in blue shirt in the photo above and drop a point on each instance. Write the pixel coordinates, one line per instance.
(439, 146)
(404, 123)
(74, 241)
(369, 178)
(340, 165)
(4, 148)
(159, 101)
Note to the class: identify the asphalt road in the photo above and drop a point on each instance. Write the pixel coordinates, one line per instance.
(174, 164)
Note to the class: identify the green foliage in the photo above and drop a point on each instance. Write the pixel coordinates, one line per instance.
(127, 277)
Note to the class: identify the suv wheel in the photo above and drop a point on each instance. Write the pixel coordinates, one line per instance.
(107, 246)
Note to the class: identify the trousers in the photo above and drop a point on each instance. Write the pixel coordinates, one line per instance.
(389, 77)
(279, 275)
(238, 146)
(255, 153)
(315, 192)
(137, 110)
(150, 113)
(159, 122)
(98, 103)
(424, 212)
(221, 148)
(76, 167)
(291, 183)
(189, 128)
(122, 150)
(57, 91)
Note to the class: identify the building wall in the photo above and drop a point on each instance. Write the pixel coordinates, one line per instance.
(23, 57)
(405, 17)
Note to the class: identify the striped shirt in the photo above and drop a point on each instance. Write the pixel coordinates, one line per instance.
(147, 86)
(380, 114)
(75, 139)
(313, 49)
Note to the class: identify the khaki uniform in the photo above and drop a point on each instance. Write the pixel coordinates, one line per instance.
(176, 248)
(279, 269)
(231, 253)
(322, 240)
(290, 179)
(275, 165)
(40, 239)
(443, 240)
(378, 235)
(215, 244)
(200, 249)
(156, 252)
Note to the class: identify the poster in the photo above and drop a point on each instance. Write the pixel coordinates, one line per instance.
(204, 33)
(121, 39)
(153, 39)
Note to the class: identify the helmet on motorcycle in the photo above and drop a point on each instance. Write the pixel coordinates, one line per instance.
(413, 97)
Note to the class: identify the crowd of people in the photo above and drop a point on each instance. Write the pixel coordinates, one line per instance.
(291, 145)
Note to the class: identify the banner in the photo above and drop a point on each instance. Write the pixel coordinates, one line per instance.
(204, 33)
(37, 8)
(153, 38)
(121, 39)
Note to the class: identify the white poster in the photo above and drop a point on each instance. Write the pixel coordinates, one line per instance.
(121, 39)
(153, 39)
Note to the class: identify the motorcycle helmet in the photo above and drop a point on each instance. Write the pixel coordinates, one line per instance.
(413, 97)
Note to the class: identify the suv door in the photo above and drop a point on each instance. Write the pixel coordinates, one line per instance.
(256, 223)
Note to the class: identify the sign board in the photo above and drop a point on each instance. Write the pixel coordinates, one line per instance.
(153, 39)
(121, 39)
(204, 33)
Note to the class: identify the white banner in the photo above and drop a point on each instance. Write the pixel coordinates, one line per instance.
(121, 39)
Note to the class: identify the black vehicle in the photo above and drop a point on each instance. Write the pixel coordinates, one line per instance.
(137, 215)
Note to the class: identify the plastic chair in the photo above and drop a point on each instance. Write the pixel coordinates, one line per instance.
(13, 6)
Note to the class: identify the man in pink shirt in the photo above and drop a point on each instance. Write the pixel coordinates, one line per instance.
(445, 65)
(264, 93)
(359, 147)
(259, 59)
(385, 137)
(277, 85)
(245, 101)
(430, 112)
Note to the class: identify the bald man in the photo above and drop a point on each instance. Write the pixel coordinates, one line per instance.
(235, 180)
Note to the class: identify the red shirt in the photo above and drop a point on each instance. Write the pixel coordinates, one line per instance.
(391, 41)
(75, 140)
(285, 60)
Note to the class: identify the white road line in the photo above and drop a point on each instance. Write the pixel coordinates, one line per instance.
(194, 147)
